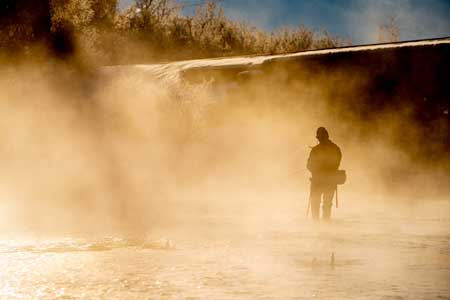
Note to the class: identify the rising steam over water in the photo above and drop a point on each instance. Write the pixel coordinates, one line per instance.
(132, 183)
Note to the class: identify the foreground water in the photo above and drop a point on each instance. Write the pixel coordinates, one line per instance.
(375, 258)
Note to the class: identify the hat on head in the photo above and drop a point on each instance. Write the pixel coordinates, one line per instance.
(322, 133)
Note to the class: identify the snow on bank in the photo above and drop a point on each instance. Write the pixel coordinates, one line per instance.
(172, 71)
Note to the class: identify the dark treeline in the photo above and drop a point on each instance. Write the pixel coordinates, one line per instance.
(148, 31)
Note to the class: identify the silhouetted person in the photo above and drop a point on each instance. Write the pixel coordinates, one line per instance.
(323, 163)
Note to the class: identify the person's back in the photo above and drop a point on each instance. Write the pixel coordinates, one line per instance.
(324, 160)
(323, 163)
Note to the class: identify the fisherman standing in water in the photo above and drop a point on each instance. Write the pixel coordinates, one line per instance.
(323, 163)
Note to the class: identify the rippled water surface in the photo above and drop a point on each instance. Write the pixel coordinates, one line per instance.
(388, 259)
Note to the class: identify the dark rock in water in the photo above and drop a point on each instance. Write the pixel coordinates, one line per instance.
(314, 262)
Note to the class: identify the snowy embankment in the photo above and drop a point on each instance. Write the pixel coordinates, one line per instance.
(172, 71)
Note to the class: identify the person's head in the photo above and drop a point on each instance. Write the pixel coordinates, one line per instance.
(322, 134)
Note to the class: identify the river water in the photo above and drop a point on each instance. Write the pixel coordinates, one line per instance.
(376, 257)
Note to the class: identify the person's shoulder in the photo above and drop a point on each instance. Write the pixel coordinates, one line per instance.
(332, 144)
(316, 147)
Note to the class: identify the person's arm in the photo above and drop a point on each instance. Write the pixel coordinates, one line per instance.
(338, 157)
(310, 163)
